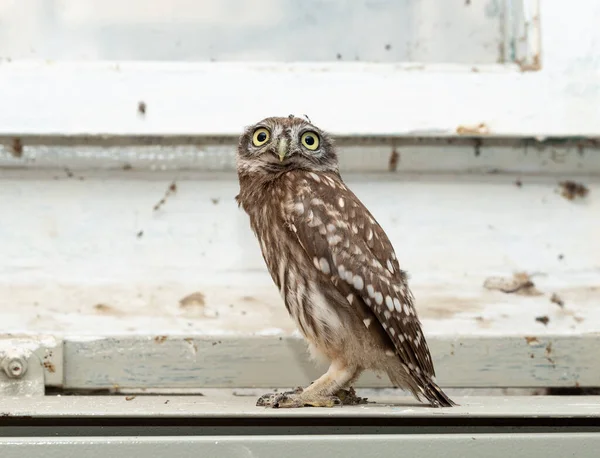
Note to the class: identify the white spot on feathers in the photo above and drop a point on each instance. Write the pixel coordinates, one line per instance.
(367, 322)
(350, 299)
(369, 234)
(354, 228)
(378, 298)
(316, 262)
(334, 239)
(282, 265)
(418, 339)
(387, 314)
(324, 265)
(392, 332)
(370, 290)
(390, 353)
(358, 282)
(299, 208)
(389, 302)
(390, 266)
(341, 202)
(331, 227)
(406, 308)
(315, 201)
(315, 177)
(397, 305)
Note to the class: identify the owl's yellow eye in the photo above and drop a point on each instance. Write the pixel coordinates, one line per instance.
(260, 136)
(310, 140)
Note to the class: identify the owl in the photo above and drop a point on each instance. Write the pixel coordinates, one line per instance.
(333, 264)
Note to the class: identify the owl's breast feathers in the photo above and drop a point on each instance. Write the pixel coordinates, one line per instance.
(351, 251)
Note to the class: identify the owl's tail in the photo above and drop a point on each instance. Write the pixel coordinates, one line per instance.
(435, 395)
(421, 387)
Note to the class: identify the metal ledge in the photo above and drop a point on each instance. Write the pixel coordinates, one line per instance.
(219, 404)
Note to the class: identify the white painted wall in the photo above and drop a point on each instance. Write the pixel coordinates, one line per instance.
(562, 99)
(70, 244)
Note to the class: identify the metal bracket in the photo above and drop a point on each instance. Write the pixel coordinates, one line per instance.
(28, 364)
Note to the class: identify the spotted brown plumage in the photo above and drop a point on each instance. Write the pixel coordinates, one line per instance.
(335, 268)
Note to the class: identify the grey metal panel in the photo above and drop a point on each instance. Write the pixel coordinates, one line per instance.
(126, 157)
(582, 445)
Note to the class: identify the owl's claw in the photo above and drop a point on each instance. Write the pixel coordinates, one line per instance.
(296, 399)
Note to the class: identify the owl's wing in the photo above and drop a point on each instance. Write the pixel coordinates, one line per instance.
(346, 243)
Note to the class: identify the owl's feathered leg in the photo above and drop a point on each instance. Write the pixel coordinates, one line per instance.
(323, 392)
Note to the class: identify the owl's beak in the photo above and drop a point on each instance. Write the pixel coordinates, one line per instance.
(282, 149)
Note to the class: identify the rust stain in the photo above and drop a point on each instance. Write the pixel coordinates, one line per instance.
(129, 398)
(556, 299)
(483, 322)
(105, 309)
(394, 159)
(50, 367)
(17, 147)
(543, 319)
(196, 299)
(479, 129)
(520, 284)
(160, 339)
(571, 190)
(548, 353)
(141, 108)
(172, 189)
(531, 340)
(447, 306)
(533, 66)
(215, 200)
(190, 341)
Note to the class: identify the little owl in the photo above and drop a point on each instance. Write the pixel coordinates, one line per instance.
(333, 264)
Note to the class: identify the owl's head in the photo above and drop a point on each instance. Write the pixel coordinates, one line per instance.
(281, 144)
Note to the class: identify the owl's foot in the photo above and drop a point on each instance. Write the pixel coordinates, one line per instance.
(349, 397)
(297, 398)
